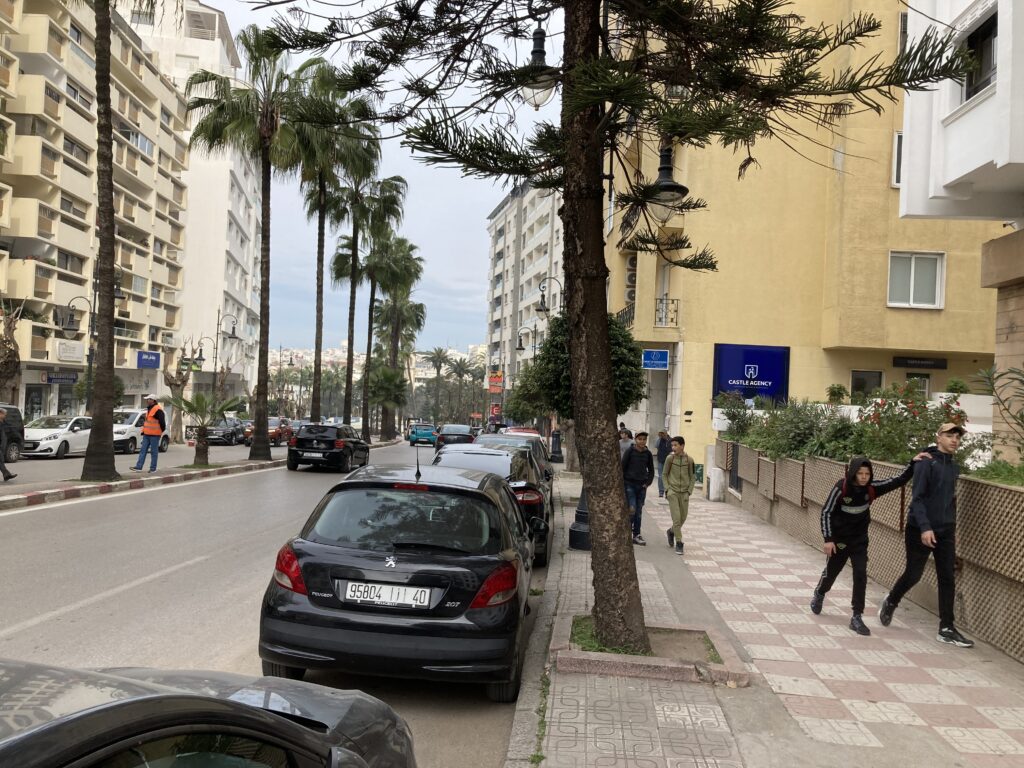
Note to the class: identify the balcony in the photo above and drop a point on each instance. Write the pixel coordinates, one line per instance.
(40, 348)
(666, 313)
(7, 10)
(43, 285)
(51, 102)
(626, 315)
(55, 42)
(7, 69)
(126, 333)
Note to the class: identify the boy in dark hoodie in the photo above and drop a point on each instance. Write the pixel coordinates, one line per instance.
(844, 526)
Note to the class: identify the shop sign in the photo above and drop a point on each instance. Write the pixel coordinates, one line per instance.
(926, 363)
(61, 378)
(147, 359)
(752, 370)
(655, 359)
(70, 351)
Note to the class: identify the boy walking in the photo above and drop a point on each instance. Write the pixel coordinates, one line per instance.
(638, 473)
(680, 475)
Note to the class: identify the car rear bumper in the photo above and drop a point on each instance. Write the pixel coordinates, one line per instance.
(329, 458)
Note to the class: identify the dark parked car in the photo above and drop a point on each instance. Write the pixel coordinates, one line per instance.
(453, 433)
(228, 431)
(534, 442)
(405, 573)
(524, 477)
(15, 432)
(328, 445)
(144, 718)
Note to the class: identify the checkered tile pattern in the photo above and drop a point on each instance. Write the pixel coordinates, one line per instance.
(840, 687)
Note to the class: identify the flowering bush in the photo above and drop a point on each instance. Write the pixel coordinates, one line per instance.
(898, 424)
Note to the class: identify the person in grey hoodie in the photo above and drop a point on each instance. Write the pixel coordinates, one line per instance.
(931, 528)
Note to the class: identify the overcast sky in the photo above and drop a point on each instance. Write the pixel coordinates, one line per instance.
(445, 215)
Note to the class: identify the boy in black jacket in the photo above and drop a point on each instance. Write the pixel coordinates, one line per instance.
(844, 526)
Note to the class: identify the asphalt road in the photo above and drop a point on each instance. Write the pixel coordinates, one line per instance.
(172, 577)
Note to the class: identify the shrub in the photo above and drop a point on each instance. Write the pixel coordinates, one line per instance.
(898, 424)
(836, 393)
(786, 431)
(735, 409)
(1001, 471)
(957, 386)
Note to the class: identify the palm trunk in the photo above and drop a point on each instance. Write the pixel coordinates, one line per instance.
(352, 280)
(260, 448)
(314, 394)
(618, 613)
(387, 415)
(202, 457)
(366, 366)
(99, 456)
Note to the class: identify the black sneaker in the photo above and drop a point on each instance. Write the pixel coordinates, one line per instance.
(679, 547)
(671, 537)
(885, 611)
(952, 637)
(857, 625)
(639, 541)
(817, 600)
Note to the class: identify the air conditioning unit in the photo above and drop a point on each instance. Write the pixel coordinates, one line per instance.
(631, 262)
(630, 295)
(631, 279)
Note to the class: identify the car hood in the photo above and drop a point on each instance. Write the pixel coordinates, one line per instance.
(356, 720)
(39, 434)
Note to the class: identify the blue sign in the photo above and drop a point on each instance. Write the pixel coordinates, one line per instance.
(752, 370)
(148, 360)
(655, 359)
(61, 378)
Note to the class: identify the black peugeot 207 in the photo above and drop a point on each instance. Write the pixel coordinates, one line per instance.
(405, 573)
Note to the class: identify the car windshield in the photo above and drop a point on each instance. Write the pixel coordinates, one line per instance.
(273, 422)
(318, 430)
(222, 424)
(49, 422)
(456, 429)
(385, 519)
(125, 418)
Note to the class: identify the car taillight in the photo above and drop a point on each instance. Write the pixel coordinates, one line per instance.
(292, 441)
(529, 497)
(339, 443)
(498, 588)
(433, 434)
(287, 572)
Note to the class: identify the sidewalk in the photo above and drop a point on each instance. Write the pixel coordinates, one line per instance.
(819, 695)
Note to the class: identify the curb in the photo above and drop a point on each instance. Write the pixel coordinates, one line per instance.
(35, 498)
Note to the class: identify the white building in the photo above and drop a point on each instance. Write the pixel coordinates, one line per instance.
(223, 218)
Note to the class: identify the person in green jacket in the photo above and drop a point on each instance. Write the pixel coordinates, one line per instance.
(679, 475)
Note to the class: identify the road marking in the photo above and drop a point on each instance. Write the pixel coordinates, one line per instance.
(98, 598)
(120, 494)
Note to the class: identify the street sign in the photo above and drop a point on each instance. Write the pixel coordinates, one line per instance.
(147, 359)
(655, 359)
(61, 378)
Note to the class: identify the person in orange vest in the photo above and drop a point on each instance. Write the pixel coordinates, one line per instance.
(152, 430)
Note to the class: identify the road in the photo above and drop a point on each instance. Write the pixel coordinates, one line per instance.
(172, 577)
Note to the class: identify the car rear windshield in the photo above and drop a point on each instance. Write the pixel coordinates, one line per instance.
(318, 430)
(388, 519)
(511, 466)
(456, 429)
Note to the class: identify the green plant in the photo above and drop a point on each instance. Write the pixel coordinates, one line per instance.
(1007, 389)
(1001, 471)
(584, 636)
(836, 393)
(713, 655)
(957, 386)
(788, 431)
(858, 398)
(899, 423)
(833, 437)
(735, 409)
(204, 412)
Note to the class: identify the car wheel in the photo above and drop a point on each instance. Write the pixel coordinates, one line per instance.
(277, 442)
(292, 463)
(506, 693)
(346, 462)
(231, 439)
(62, 450)
(412, 443)
(270, 669)
(132, 446)
(165, 443)
(13, 452)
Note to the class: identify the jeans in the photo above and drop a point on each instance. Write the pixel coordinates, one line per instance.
(636, 494)
(857, 553)
(149, 443)
(660, 465)
(945, 561)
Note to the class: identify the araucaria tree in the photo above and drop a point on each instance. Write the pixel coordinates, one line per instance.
(667, 72)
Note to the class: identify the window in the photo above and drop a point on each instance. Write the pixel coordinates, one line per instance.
(75, 34)
(165, 117)
(904, 20)
(69, 262)
(141, 16)
(922, 382)
(916, 280)
(76, 150)
(897, 158)
(139, 284)
(864, 382)
(981, 44)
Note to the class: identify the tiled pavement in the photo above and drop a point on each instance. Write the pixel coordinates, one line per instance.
(878, 695)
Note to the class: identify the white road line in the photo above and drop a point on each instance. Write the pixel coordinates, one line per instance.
(97, 598)
(121, 494)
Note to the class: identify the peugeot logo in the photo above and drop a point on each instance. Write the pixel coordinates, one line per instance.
(390, 562)
(750, 371)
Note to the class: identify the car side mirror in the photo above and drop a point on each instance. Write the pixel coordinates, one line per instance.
(76, 428)
(547, 474)
(343, 758)
(538, 525)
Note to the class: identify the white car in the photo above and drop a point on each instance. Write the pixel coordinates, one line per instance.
(56, 436)
(128, 430)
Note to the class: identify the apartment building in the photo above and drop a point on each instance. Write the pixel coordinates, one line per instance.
(48, 242)
(819, 281)
(221, 284)
(525, 257)
(964, 154)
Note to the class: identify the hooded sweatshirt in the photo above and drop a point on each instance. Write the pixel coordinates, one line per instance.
(847, 511)
(933, 504)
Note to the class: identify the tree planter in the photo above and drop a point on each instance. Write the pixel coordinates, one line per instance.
(789, 481)
(748, 464)
(766, 478)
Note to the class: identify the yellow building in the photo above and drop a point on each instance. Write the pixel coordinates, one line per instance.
(813, 262)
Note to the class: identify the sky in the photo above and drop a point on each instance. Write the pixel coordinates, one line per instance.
(445, 216)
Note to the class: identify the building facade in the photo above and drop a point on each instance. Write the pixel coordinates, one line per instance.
(965, 155)
(221, 284)
(819, 281)
(525, 256)
(48, 241)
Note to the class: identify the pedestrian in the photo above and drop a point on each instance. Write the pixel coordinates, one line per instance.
(931, 528)
(638, 473)
(152, 430)
(622, 428)
(844, 526)
(625, 442)
(680, 477)
(8, 475)
(662, 449)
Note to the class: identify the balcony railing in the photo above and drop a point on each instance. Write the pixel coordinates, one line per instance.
(125, 333)
(5, 70)
(625, 315)
(55, 45)
(666, 313)
(51, 104)
(39, 348)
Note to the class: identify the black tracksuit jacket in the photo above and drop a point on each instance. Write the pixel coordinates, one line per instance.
(847, 511)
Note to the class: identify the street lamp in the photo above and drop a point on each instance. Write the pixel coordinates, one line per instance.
(539, 91)
(231, 335)
(670, 192)
(543, 307)
(519, 338)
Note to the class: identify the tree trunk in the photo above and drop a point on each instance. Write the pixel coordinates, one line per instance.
(618, 613)
(352, 280)
(314, 394)
(260, 448)
(569, 453)
(177, 434)
(202, 457)
(99, 455)
(366, 365)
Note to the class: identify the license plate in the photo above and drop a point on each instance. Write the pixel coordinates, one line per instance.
(387, 594)
(313, 454)
(31, 446)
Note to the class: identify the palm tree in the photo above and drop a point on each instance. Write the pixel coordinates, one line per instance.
(253, 115)
(438, 359)
(204, 412)
(400, 318)
(459, 370)
(371, 205)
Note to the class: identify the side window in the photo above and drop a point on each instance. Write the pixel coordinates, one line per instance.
(85, 423)
(207, 749)
(141, 420)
